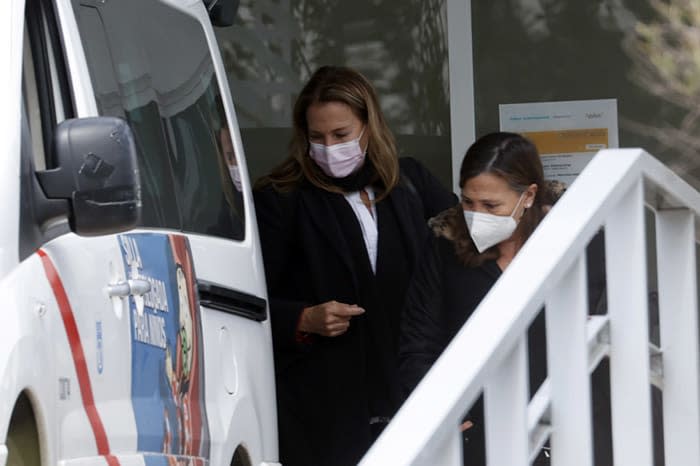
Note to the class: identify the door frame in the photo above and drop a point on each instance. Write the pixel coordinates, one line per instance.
(461, 82)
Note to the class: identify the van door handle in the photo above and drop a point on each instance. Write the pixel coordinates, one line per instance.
(135, 287)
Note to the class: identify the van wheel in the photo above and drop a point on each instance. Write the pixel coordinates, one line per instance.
(240, 457)
(22, 436)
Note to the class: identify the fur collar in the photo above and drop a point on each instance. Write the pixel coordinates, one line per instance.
(450, 224)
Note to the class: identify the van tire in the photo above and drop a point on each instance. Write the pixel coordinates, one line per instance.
(240, 457)
(22, 436)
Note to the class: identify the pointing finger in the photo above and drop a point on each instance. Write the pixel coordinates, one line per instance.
(349, 311)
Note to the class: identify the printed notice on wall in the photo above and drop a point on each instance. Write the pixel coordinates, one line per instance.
(567, 134)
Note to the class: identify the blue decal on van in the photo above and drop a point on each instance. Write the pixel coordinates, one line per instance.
(167, 387)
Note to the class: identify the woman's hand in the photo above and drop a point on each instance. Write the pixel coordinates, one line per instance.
(329, 319)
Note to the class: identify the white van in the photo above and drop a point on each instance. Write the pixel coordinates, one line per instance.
(134, 324)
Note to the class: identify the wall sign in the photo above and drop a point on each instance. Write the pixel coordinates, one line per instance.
(567, 134)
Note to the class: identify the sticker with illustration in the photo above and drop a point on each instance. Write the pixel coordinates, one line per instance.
(167, 385)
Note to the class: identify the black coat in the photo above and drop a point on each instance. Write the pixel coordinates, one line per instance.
(328, 390)
(442, 297)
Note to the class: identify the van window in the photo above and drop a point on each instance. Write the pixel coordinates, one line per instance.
(46, 101)
(150, 64)
(45, 88)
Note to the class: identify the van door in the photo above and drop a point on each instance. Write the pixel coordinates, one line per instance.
(124, 311)
(129, 361)
(155, 64)
(133, 381)
(87, 340)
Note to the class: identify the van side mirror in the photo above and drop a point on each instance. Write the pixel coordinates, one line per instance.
(222, 13)
(97, 172)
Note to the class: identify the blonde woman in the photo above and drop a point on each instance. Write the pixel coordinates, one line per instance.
(342, 221)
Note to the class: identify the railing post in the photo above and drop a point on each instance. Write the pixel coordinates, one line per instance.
(505, 410)
(678, 311)
(629, 333)
(568, 369)
(450, 452)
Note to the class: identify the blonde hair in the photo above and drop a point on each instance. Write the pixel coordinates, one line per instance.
(344, 85)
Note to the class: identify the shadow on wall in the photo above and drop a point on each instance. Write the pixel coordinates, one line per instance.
(644, 53)
(264, 148)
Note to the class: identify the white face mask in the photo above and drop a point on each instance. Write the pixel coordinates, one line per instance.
(338, 160)
(487, 230)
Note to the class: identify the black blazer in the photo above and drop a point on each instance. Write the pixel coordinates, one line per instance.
(323, 388)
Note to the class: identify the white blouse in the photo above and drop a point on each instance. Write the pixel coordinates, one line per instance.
(368, 222)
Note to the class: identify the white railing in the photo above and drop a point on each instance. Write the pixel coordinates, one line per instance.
(489, 353)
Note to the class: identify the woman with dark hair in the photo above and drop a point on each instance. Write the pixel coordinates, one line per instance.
(342, 221)
(504, 198)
